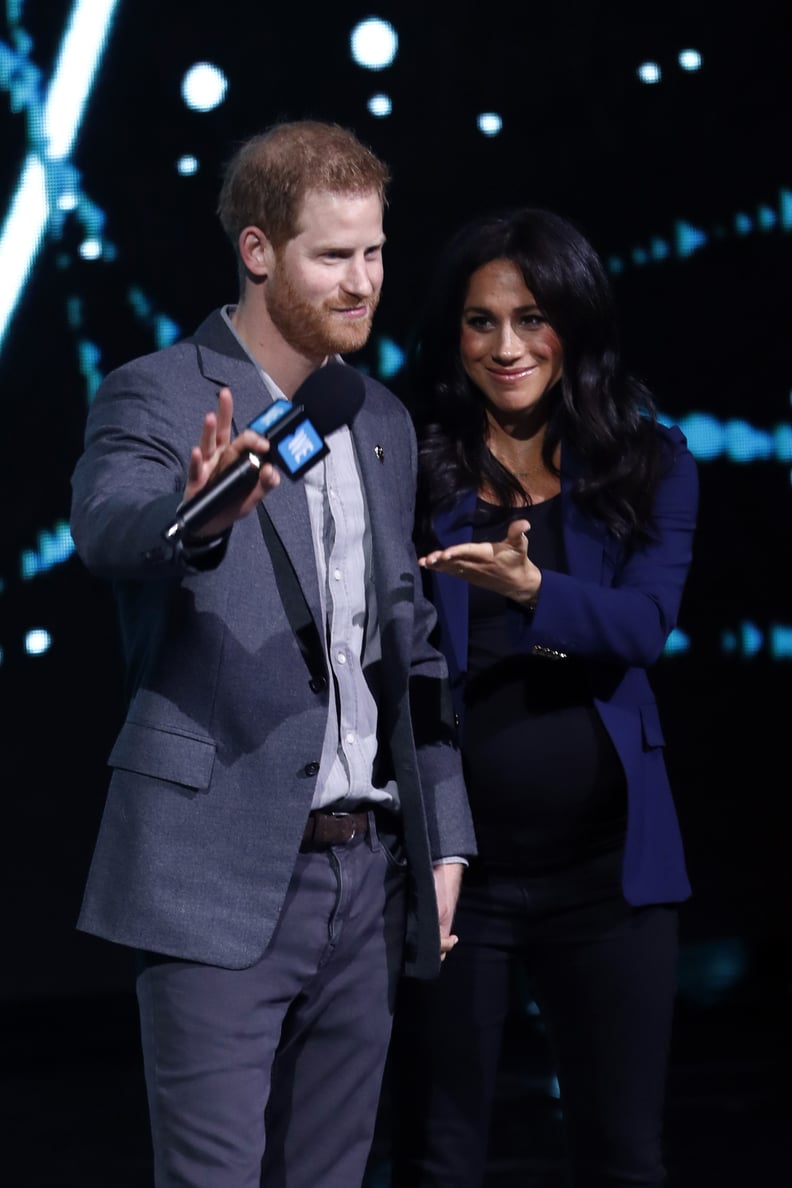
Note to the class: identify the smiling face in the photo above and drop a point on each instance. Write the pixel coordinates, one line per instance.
(508, 348)
(324, 284)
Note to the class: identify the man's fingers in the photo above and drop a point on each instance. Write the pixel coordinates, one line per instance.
(208, 442)
(447, 943)
(225, 415)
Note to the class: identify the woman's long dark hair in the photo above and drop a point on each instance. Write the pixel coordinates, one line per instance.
(606, 416)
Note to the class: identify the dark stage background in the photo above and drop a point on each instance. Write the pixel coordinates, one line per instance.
(109, 248)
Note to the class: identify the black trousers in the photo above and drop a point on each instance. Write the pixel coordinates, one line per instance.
(603, 975)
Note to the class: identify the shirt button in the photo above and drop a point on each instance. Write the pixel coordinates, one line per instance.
(350, 736)
(341, 658)
(337, 574)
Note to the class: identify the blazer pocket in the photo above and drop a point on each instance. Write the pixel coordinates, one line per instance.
(652, 731)
(165, 755)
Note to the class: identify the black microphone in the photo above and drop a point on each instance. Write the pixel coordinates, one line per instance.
(329, 398)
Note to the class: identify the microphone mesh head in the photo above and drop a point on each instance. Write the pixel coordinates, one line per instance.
(331, 396)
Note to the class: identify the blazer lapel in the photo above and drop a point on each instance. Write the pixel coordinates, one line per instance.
(584, 538)
(452, 595)
(368, 432)
(222, 360)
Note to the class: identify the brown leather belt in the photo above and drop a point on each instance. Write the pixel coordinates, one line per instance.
(325, 828)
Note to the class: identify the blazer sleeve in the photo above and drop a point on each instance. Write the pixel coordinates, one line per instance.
(130, 477)
(624, 613)
(448, 819)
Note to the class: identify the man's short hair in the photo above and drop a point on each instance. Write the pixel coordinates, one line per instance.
(268, 177)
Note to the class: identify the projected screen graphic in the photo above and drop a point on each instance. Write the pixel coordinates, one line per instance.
(662, 133)
(117, 119)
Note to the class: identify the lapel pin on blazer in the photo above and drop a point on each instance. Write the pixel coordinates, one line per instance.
(378, 450)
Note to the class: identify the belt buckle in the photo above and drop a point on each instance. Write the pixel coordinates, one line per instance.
(339, 816)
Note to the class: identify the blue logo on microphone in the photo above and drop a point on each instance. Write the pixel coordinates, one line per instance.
(270, 417)
(301, 447)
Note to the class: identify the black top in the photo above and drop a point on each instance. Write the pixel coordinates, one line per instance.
(546, 786)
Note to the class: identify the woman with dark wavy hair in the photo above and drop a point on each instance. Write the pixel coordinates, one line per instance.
(556, 524)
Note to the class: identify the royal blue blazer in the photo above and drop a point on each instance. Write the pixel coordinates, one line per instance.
(616, 612)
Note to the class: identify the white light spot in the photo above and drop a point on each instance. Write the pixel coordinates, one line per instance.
(690, 59)
(37, 641)
(187, 165)
(380, 105)
(649, 72)
(204, 87)
(373, 44)
(490, 123)
(91, 249)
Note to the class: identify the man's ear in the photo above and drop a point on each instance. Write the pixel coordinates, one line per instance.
(256, 252)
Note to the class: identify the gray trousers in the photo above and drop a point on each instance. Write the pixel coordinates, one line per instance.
(270, 1076)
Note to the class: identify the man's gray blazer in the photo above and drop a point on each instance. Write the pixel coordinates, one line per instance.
(214, 768)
